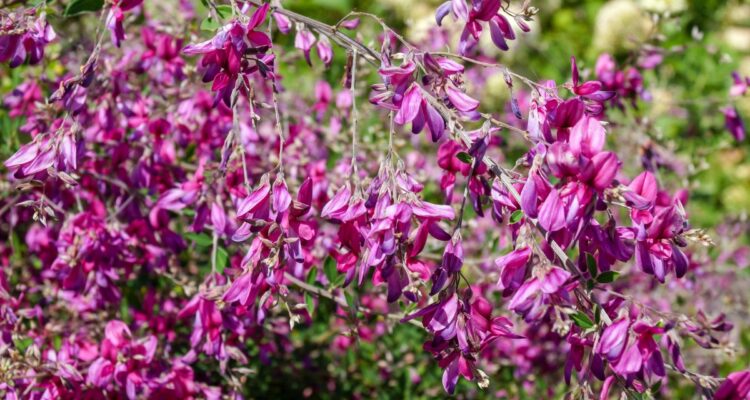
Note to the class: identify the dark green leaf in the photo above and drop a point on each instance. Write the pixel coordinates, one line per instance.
(607, 276)
(124, 310)
(464, 157)
(76, 7)
(591, 263)
(582, 320)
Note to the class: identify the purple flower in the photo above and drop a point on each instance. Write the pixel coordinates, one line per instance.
(739, 85)
(28, 45)
(325, 51)
(613, 339)
(461, 100)
(304, 40)
(735, 387)
(481, 12)
(513, 269)
(734, 123)
(116, 16)
(224, 55)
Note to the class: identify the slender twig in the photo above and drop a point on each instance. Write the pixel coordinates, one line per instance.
(320, 292)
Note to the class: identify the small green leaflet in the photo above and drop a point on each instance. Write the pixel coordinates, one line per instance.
(76, 7)
(201, 239)
(591, 263)
(309, 303)
(464, 157)
(329, 269)
(607, 276)
(222, 258)
(208, 24)
(516, 216)
(22, 344)
(582, 320)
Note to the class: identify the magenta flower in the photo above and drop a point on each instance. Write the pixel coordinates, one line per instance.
(739, 85)
(513, 268)
(123, 362)
(613, 339)
(735, 387)
(658, 243)
(225, 57)
(116, 16)
(304, 40)
(325, 51)
(480, 13)
(734, 123)
(28, 45)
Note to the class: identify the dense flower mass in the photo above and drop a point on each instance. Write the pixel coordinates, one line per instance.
(180, 202)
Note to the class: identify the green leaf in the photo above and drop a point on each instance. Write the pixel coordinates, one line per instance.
(582, 320)
(312, 275)
(22, 344)
(329, 268)
(516, 216)
(224, 10)
(350, 300)
(76, 7)
(125, 310)
(309, 303)
(591, 263)
(464, 157)
(201, 239)
(208, 24)
(222, 258)
(607, 276)
(339, 281)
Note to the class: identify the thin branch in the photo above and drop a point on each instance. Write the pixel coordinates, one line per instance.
(320, 292)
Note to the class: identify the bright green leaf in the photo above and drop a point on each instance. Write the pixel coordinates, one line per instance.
(201, 239)
(222, 258)
(22, 344)
(329, 268)
(516, 216)
(309, 303)
(208, 24)
(312, 276)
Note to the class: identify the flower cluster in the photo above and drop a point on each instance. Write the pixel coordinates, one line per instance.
(166, 223)
(23, 37)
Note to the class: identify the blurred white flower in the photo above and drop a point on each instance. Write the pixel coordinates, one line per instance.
(663, 6)
(620, 24)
